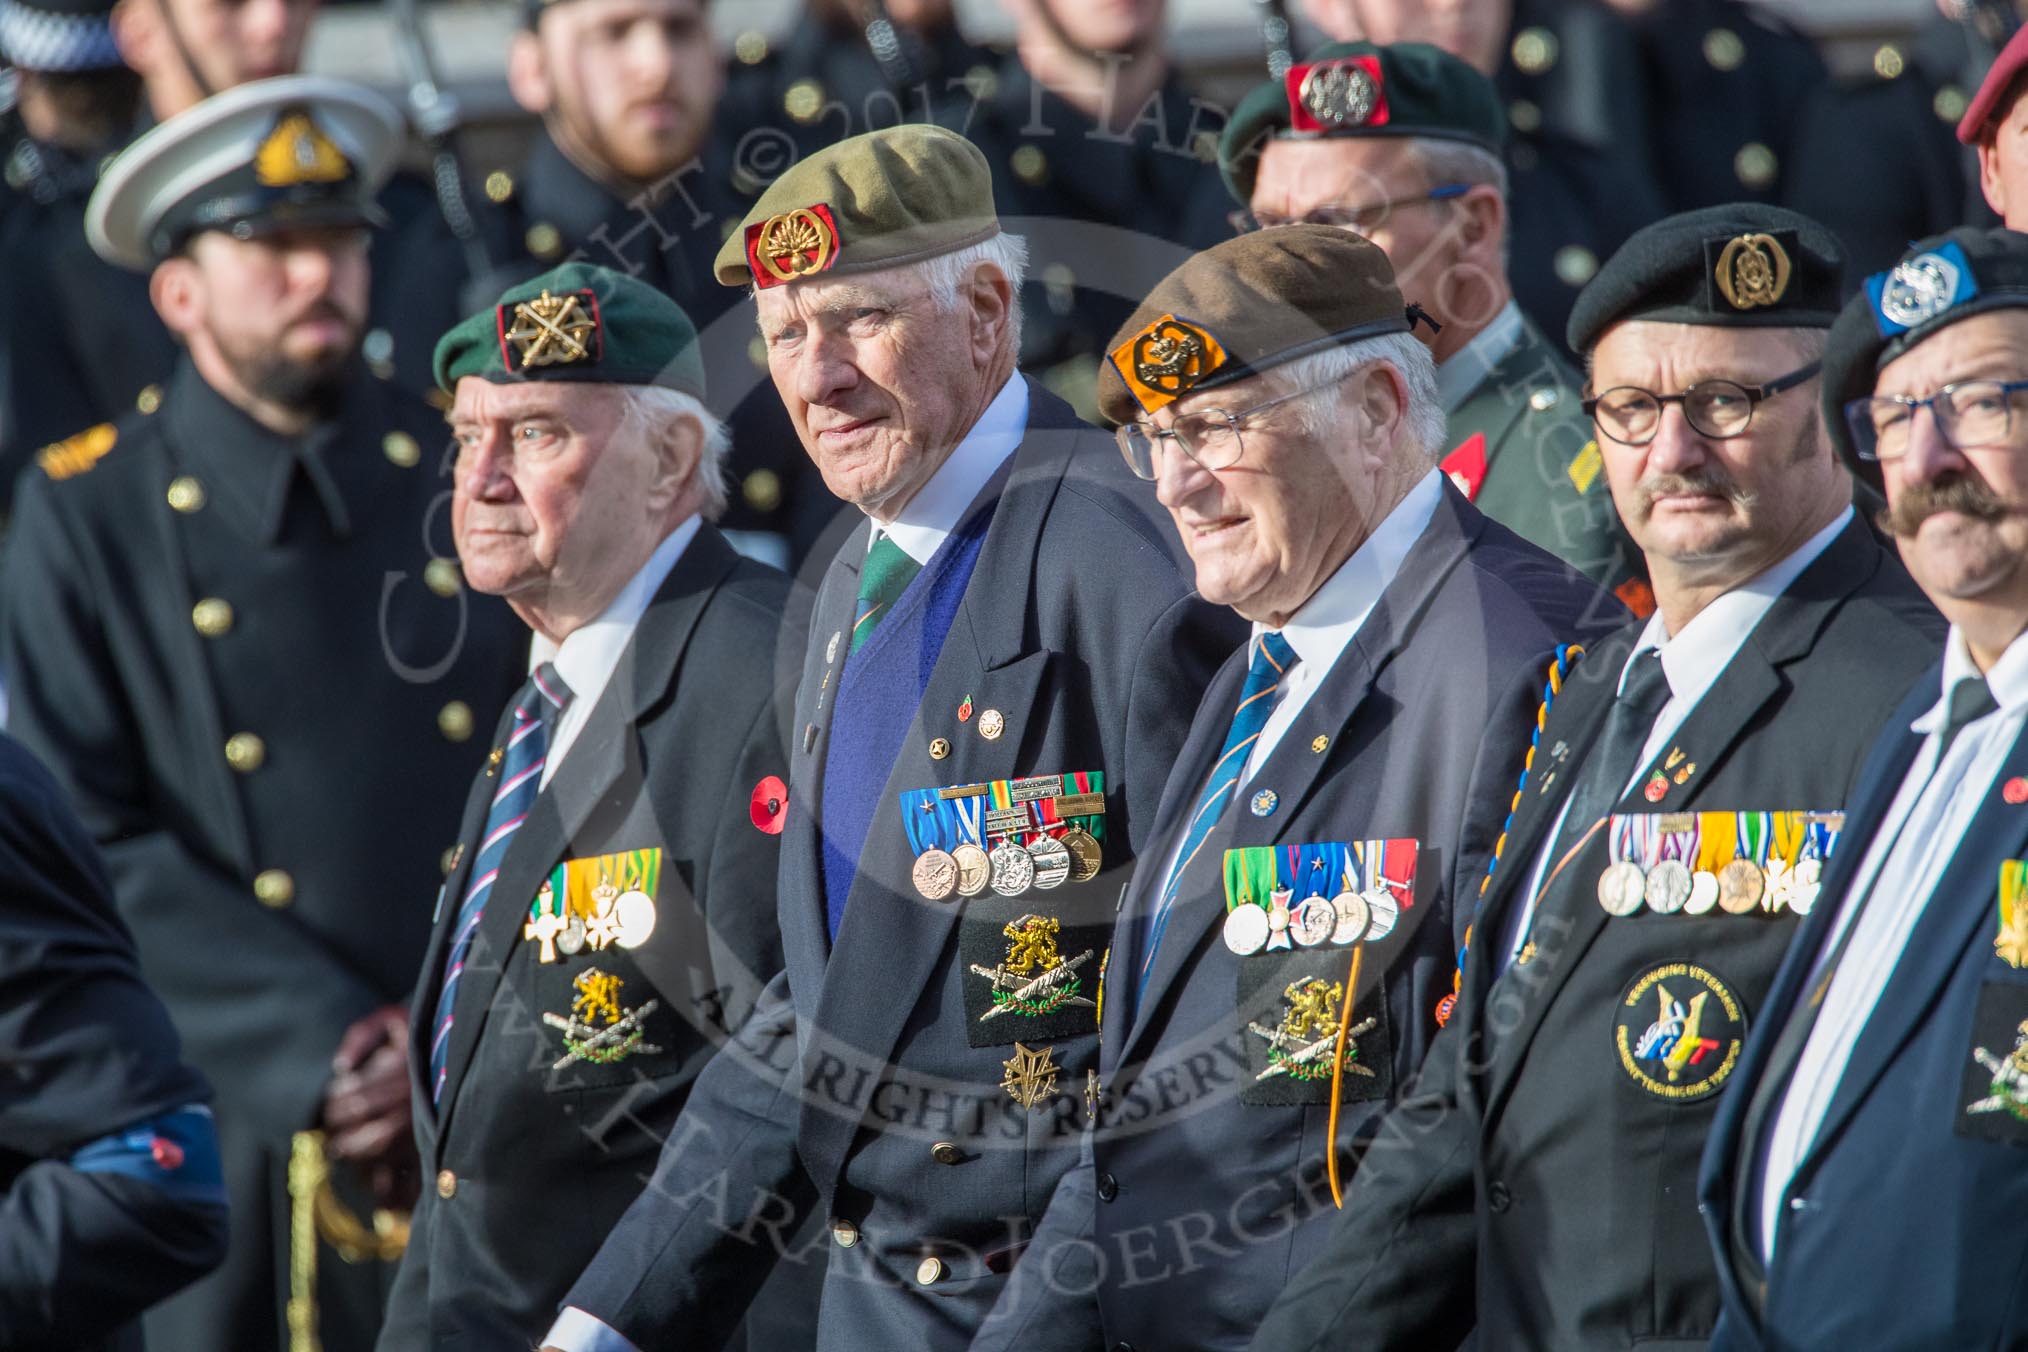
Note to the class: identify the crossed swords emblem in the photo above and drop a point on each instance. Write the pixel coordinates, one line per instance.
(551, 331)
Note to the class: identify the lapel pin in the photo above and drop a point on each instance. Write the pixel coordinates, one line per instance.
(493, 759)
(991, 724)
(1263, 804)
(939, 749)
(2015, 790)
(1683, 775)
(1675, 758)
(1656, 787)
(965, 710)
(1317, 746)
(769, 806)
(831, 648)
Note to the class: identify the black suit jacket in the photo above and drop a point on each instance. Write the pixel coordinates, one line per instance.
(528, 1162)
(1080, 628)
(89, 1051)
(1902, 1227)
(1528, 1182)
(1417, 732)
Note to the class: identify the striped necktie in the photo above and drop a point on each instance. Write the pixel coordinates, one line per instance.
(887, 572)
(1272, 659)
(542, 700)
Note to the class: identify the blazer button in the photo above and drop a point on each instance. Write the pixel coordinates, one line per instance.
(443, 577)
(1108, 1187)
(454, 721)
(929, 1271)
(943, 1152)
(186, 494)
(245, 752)
(844, 1234)
(447, 1184)
(1497, 1196)
(274, 888)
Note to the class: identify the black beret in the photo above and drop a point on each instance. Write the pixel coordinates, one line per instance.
(1939, 281)
(1743, 265)
(1358, 89)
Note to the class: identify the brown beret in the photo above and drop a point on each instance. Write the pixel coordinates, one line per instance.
(889, 197)
(1244, 306)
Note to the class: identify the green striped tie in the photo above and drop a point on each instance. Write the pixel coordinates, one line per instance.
(885, 576)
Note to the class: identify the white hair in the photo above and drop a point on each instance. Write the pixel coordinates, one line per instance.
(1326, 373)
(646, 411)
(946, 273)
(1447, 161)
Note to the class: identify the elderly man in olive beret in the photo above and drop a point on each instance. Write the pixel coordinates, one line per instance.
(1888, 1074)
(1684, 795)
(1003, 662)
(604, 923)
(1281, 966)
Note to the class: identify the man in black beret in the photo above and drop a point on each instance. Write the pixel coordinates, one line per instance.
(1403, 146)
(1887, 1077)
(1686, 790)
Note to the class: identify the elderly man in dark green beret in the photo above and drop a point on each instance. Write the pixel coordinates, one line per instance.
(1403, 145)
(1003, 662)
(1685, 794)
(605, 920)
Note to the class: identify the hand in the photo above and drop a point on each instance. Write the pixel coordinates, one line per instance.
(366, 1105)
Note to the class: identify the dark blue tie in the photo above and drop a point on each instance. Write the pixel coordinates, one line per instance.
(520, 773)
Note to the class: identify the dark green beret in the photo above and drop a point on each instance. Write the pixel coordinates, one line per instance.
(1743, 265)
(1246, 306)
(576, 322)
(1358, 89)
(1939, 281)
(875, 201)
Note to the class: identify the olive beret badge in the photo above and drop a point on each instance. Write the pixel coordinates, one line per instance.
(550, 330)
(793, 244)
(1326, 95)
(1752, 271)
(1164, 361)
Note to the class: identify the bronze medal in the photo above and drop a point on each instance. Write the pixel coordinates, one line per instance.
(974, 870)
(1085, 854)
(1740, 884)
(935, 874)
(1052, 862)
(1012, 870)
(1668, 887)
(1622, 888)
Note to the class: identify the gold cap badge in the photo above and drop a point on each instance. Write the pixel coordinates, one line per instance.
(550, 330)
(794, 244)
(298, 151)
(1752, 272)
(1166, 360)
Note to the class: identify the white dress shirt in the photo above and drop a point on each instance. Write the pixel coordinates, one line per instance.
(1889, 895)
(1692, 662)
(1469, 366)
(588, 655)
(920, 528)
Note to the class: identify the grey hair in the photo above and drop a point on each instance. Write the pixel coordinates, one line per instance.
(647, 410)
(1326, 372)
(946, 273)
(1447, 161)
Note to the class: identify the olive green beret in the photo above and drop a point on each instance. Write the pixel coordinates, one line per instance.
(1744, 265)
(1358, 89)
(1939, 281)
(576, 322)
(1245, 306)
(875, 201)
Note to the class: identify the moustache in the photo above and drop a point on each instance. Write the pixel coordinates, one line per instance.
(1697, 481)
(1966, 495)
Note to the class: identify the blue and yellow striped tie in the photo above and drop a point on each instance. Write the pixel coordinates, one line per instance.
(1272, 659)
(885, 576)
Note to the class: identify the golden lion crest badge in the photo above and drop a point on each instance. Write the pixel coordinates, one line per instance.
(1034, 980)
(794, 244)
(599, 1029)
(298, 151)
(1166, 360)
(1302, 1045)
(550, 330)
(1752, 271)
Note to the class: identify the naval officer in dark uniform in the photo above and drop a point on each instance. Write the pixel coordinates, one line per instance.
(1683, 797)
(1279, 968)
(607, 922)
(236, 630)
(1003, 662)
(1402, 145)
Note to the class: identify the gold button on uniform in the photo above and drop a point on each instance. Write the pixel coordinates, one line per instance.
(1888, 63)
(245, 752)
(1724, 49)
(751, 47)
(544, 240)
(149, 399)
(1030, 165)
(943, 1152)
(844, 1234)
(499, 186)
(762, 490)
(803, 100)
(186, 494)
(212, 617)
(1545, 398)
(443, 577)
(1534, 50)
(1755, 165)
(1950, 104)
(939, 749)
(1525, 115)
(274, 888)
(401, 448)
(929, 1271)
(447, 1184)
(454, 721)
(1575, 265)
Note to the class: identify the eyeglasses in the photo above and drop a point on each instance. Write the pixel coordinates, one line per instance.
(1210, 438)
(1970, 415)
(1359, 220)
(1720, 409)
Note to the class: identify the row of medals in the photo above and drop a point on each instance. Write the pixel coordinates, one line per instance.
(1011, 869)
(1739, 888)
(1343, 919)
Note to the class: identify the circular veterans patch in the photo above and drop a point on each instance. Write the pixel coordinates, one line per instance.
(1678, 1030)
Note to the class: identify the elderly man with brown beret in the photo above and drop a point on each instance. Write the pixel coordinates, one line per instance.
(1003, 662)
(1282, 963)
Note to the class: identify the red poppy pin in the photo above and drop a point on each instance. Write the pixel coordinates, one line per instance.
(2015, 790)
(770, 805)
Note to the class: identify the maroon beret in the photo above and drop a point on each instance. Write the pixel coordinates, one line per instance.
(1986, 103)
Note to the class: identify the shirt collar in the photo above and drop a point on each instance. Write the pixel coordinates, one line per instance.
(589, 654)
(1693, 657)
(2008, 680)
(1324, 624)
(938, 507)
(1470, 364)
